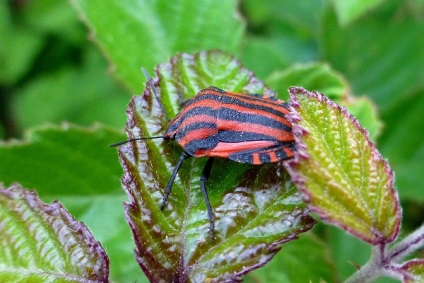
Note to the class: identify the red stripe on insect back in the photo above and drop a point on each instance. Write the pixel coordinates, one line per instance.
(209, 97)
(289, 151)
(255, 105)
(263, 155)
(225, 149)
(280, 116)
(237, 126)
(196, 134)
(273, 156)
(254, 152)
(265, 101)
(186, 117)
(214, 116)
(211, 104)
(256, 159)
(204, 118)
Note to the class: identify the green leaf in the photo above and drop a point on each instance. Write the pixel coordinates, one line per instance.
(51, 17)
(390, 72)
(298, 262)
(349, 11)
(403, 141)
(363, 109)
(347, 252)
(76, 166)
(112, 231)
(256, 207)
(137, 34)
(86, 163)
(77, 94)
(283, 17)
(277, 36)
(317, 76)
(44, 243)
(381, 54)
(272, 54)
(382, 58)
(18, 47)
(320, 77)
(343, 176)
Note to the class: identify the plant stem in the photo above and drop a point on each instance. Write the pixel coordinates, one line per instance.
(408, 245)
(385, 263)
(371, 269)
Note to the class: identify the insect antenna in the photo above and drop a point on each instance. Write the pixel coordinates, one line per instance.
(136, 139)
(152, 87)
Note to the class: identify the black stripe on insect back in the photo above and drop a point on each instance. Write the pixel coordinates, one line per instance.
(271, 100)
(245, 156)
(234, 115)
(226, 99)
(204, 96)
(222, 97)
(201, 144)
(236, 137)
(235, 101)
(264, 155)
(192, 112)
(260, 96)
(195, 126)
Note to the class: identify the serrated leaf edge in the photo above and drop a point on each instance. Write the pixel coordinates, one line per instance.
(301, 154)
(16, 191)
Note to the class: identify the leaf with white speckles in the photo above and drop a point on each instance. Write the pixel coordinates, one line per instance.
(341, 173)
(43, 243)
(256, 208)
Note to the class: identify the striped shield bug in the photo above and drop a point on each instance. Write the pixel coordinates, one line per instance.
(246, 128)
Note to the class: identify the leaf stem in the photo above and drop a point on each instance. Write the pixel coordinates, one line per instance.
(408, 245)
(371, 269)
(384, 262)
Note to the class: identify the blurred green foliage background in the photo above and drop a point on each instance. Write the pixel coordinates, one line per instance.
(52, 72)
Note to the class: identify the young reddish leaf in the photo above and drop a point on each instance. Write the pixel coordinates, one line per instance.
(339, 170)
(256, 208)
(44, 243)
(414, 270)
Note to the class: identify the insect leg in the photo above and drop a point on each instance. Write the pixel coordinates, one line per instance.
(205, 175)
(183, 156)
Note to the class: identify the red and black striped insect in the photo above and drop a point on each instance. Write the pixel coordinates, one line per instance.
(216, 123)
